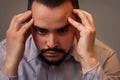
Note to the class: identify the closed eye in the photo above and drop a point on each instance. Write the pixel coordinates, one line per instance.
(64, 29)
(41, 31)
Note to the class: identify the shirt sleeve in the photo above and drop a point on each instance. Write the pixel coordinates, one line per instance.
(2, 57)
(4, 77)
(97, 73)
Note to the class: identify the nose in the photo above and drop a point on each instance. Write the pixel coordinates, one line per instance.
(52, 40)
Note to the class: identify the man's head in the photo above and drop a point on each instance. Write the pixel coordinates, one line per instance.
(53, 3)
(52, 33)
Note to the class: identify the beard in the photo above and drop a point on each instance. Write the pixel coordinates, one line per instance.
(55, 50)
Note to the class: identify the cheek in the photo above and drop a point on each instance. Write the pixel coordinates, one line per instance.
(39, 41)
(67, 41)
(66, 44)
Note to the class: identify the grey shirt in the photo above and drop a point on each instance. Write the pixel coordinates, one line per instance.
(33, 68)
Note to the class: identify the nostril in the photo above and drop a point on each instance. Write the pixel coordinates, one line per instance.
(52, 40)
(52, 44)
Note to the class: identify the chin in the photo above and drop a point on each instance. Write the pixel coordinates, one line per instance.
(54, 60)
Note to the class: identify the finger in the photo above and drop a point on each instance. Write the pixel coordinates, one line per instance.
(90, 18)
(82, 16)
(89, 15)
(26, 27)
(76, 24)
(87, 19)
(19, 20)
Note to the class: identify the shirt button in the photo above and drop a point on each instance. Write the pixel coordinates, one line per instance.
(52, 67)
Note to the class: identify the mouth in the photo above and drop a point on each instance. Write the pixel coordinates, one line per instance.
(53, 57)
(52, 54)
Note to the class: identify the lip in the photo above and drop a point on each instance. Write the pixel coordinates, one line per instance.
(52, 54)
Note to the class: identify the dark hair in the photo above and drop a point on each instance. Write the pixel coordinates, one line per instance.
(53, 3)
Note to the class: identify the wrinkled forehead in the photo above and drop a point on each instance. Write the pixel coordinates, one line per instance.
(45, 15)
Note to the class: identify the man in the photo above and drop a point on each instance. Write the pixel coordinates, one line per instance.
(41, 45)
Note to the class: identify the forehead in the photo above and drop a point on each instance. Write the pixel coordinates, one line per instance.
(44, 16)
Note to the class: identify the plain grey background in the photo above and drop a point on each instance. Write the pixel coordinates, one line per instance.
(106, 15)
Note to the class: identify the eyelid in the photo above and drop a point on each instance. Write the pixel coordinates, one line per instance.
(39, 30)
(35, 28)
(64, 29)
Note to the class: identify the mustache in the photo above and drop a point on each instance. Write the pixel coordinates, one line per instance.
(54, 50)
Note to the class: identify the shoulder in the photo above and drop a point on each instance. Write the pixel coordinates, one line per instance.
(3, 46)
(2, 52)
(102, 46)
(102, 51)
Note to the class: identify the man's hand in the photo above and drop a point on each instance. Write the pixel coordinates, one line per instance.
(18, 32)
(85, 35)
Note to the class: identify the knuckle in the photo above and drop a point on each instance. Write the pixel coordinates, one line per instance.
(16, 19)
(88, 13)
(93, 30)
(10, 33)
(78, 25)
(24, 28)
(79, 13)
(13, 35)
(91, 16)
(7, 32)
(90, 32)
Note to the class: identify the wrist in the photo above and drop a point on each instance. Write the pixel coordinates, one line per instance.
(10, 67)
(10, 71)
(88, 61)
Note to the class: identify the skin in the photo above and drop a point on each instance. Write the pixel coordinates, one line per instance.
(52, 29)
(52, 20)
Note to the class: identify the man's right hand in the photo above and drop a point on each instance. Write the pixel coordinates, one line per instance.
(17, 34)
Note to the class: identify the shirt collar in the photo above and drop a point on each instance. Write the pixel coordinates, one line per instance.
(32, 51)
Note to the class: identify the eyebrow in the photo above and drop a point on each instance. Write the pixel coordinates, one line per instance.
(39, 28)
(65, 27)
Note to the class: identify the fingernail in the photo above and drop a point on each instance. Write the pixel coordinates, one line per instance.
(28, 12)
